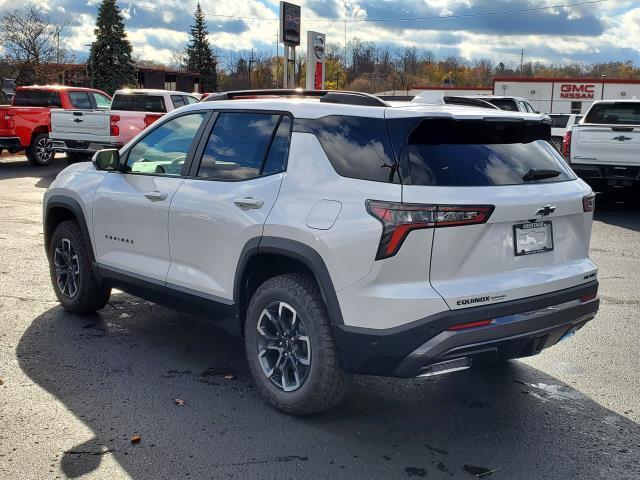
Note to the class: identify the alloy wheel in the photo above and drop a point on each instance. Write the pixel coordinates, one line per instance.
(44, 151)
(283, 346)
(67, 266)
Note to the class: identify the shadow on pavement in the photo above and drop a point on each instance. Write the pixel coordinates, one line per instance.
(119, 372)
(17, 166)
(620, 209)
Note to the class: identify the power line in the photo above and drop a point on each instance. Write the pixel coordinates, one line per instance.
(378, 20)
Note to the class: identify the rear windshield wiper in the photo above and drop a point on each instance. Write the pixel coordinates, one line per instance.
(535, 174)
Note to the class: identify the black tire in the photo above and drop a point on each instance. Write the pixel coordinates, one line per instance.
(89, 294)
(40, 153)
(325, 382)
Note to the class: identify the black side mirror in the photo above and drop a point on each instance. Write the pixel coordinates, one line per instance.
(107, 160)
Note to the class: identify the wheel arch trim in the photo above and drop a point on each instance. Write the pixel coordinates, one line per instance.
(73, 206)
(293, 250)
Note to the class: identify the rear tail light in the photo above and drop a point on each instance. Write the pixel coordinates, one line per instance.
(589, 203)
(589, 297)
(114, 128)
(149, 119)
(468, 325)
(399, 219)
(566, 145)
(7, 120)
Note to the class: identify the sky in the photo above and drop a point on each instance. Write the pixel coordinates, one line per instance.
(602, 31)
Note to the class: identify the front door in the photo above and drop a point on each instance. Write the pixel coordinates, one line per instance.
(130, 210)
(227, 200)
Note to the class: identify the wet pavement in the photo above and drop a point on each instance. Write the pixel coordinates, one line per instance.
(75, 390)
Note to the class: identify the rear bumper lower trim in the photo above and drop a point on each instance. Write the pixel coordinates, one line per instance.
(403, 351)
(10, 143)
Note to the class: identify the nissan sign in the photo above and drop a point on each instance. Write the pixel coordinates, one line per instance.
(577, 92)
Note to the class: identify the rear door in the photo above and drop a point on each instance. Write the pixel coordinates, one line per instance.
(225, 202)
(536, 239)
(609, 136)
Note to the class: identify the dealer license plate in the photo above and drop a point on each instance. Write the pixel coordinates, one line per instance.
(532, 237)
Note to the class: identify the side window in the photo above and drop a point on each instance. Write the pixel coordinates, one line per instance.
(155, 104)
(164, 149)
(357, 147)
(80, 100)
(54, 101)
(102, 101)
(177, 101)
(237, 146)
(121, 102)
(191, 100)
(279, 151)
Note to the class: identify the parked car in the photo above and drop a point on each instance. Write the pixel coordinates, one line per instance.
(26, 123)
(562, 122)
(604, 149)
(81, 133)
(335, 235)
(511, 104)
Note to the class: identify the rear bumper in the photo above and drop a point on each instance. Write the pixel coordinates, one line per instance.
(10, 143)
(80, 147)
(608, 175)
(520, 328)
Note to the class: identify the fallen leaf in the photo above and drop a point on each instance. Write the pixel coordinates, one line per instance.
(1, 382)
(228, 376)
(178, 401)
(136, 439)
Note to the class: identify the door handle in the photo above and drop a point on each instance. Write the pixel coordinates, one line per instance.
(156, 196)
(248, 202)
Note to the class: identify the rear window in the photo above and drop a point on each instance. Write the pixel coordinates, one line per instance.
(504, 104)
(80, 100)
(615, 114)
(559, 121)
(37, 98)
(139, 103)
(357, 147)
(480, 153)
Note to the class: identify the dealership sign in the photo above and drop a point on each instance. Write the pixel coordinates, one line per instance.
(290, 24)
(577, 92)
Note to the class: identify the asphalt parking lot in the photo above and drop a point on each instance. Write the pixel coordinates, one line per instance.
(75, 390)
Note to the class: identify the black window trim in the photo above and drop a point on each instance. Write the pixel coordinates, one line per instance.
(204, 139)
(124, 157)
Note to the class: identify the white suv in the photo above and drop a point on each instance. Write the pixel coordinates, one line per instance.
(335, 234)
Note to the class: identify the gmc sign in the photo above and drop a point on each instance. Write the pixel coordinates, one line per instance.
(581, 92)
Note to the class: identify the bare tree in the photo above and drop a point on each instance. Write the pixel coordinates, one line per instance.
(31, 41)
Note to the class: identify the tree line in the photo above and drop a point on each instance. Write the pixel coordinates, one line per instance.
(32, 45)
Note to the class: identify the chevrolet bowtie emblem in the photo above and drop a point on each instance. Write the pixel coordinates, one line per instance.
(622, 138)
(545, 211)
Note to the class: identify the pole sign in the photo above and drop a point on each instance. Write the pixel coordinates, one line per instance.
(290, 24)
(315, 60)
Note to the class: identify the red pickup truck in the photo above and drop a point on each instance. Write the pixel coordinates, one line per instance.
(26, 123)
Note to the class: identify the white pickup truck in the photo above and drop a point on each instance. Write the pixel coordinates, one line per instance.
(604, 149)
(81, 133)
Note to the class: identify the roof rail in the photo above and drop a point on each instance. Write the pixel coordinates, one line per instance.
(325, 96)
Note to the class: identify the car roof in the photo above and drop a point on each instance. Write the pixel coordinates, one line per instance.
(313, 108)
(58, 87)
(146, 91)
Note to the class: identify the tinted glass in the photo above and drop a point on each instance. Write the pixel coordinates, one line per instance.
(357, 147)
(279, 151)
(80, 100)
(102, 101)
(559, 121)
(504, 104)
(237, 146)
(191, 100)
(476, 153)
(177, 101)
(139, 103)
(615, 114)
(165, 149)
(36, 98)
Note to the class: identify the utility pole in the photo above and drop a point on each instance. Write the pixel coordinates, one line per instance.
(522, 63)
(345, 37)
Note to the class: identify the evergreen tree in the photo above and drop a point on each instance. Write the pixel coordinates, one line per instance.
(200, 57)
(110, 59)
